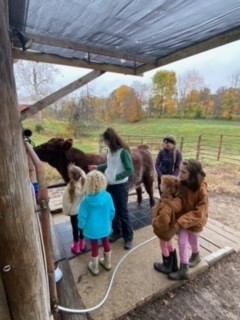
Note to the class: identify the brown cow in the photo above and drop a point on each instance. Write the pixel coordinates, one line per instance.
(59, 153)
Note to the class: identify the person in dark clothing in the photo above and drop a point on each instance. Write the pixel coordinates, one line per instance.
(168, 160)
(117, 169)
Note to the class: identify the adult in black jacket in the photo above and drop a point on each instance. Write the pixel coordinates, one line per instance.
(168, 159)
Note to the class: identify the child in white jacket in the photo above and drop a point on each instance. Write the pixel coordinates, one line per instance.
(71, 200)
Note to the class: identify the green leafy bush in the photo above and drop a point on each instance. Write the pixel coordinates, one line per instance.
(39, 128)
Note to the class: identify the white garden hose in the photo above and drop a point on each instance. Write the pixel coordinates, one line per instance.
(110, 284)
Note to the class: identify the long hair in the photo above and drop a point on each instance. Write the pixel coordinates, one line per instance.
(114, 140)
(196, 174)
(75, 174)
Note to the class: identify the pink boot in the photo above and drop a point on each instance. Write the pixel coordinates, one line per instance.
(75, 247)
(82, 244)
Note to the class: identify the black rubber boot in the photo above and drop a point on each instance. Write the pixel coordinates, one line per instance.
(174, 261)
(194, 259)
(166, 266)
(114, 237)
(181, 274)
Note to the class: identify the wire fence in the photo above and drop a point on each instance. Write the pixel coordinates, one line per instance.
(208, 149)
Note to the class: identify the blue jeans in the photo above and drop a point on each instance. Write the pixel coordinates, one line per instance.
(121, 223)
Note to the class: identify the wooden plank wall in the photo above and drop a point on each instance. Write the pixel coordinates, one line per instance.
(68, 296)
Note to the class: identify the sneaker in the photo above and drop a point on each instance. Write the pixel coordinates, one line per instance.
(114, 237)
(128, 245)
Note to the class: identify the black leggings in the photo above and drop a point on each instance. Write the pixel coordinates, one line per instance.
(159, 185)
(77, 233)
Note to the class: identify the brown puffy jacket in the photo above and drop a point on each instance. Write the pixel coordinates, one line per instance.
(194, 213)
(164, 218)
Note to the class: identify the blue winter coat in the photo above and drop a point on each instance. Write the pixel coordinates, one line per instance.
(95, 215)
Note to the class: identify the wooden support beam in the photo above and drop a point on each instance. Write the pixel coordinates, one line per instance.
(22, 263)
(44, 217)
(219, 40)
(89, 49)
(58, 250)
(71, 62)
(4, 310)
(68, 295)
(47, 101)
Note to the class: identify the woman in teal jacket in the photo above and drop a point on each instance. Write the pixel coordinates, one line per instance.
(95, 217)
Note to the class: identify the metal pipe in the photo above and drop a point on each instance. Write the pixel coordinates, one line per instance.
(58, 185)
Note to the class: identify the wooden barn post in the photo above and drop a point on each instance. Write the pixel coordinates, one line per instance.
(21, 260)
(4, 310)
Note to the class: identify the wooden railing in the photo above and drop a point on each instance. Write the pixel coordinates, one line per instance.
(205, 148)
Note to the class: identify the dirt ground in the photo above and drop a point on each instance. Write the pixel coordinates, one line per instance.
(225, 208)
(214, 295)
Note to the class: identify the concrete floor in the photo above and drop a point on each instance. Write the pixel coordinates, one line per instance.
(135, 280)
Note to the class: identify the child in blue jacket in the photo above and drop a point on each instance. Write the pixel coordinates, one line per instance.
(95, 217)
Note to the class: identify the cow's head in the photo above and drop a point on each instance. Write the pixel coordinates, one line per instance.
(53, 150)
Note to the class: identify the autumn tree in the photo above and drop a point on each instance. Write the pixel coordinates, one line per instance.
(164, 92)
(217, 101)
(198, 104)
(189, 84)
(111, 108)
(125, 104)
(206, 99)
(229, 104)
(226, 102)
(143, 92)
(235, 85)
(81, 116)
(109, 112)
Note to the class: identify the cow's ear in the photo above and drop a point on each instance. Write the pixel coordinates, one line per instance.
(67, 144)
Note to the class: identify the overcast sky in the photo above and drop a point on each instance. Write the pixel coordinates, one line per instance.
(216, 66)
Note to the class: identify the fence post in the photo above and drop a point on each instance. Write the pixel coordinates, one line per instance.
(101, 143)
(220, 147)
(198, 147)
(181, 144)
(151, 145)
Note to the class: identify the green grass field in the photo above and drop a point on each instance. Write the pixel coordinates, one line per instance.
(222, 177)
(148, 127)
(181, 127)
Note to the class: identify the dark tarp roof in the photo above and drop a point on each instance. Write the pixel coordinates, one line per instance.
(127, 36)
